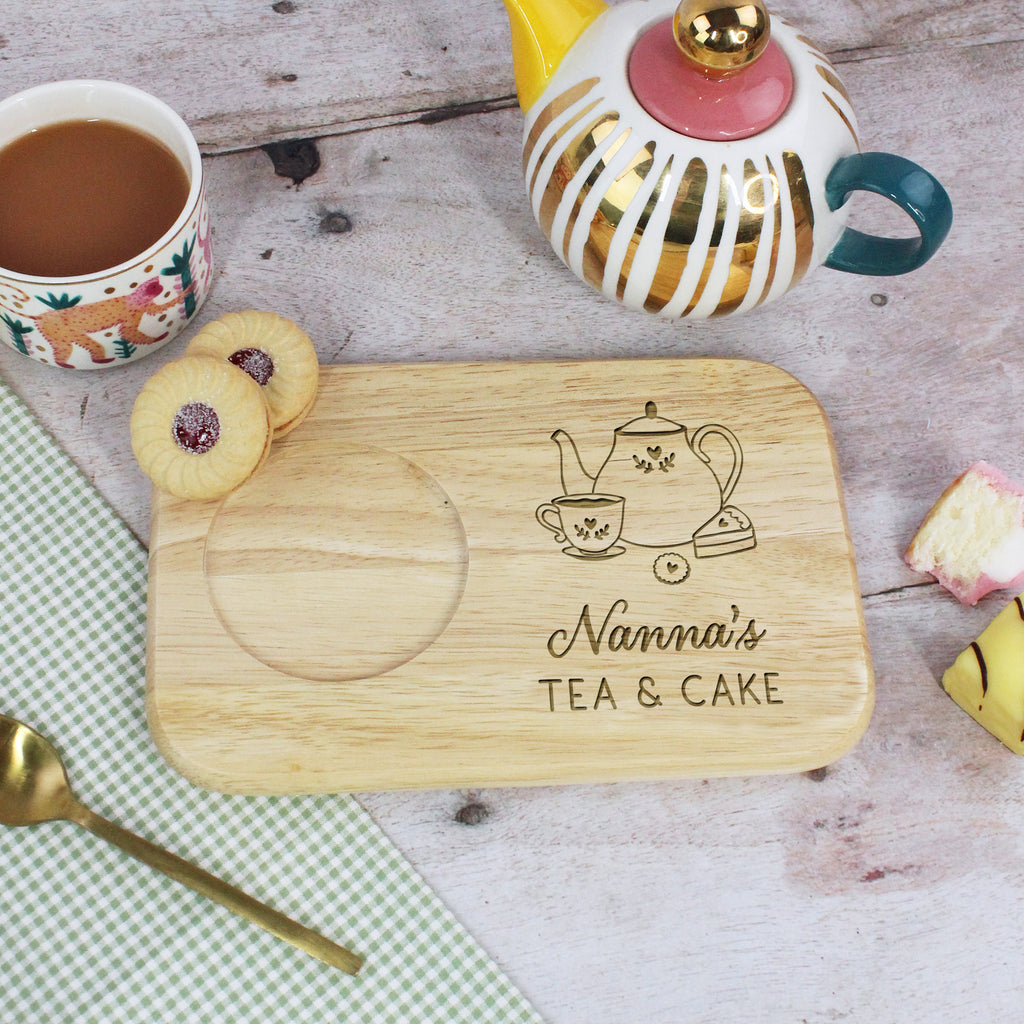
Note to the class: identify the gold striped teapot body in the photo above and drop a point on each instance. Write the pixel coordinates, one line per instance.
(682, 226)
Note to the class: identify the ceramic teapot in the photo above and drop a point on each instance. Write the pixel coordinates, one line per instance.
(670, 484)
(697, 160)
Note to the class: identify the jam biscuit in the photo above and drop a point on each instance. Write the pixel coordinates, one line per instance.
(275, 352)
(200, 427)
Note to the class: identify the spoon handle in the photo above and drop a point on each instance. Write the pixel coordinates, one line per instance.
(218, 890)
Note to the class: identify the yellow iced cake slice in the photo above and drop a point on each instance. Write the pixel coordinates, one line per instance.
(987, 678)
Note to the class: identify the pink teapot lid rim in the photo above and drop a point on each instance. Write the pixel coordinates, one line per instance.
(701, 105)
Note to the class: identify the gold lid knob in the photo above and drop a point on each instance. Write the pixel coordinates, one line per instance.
(721, 39)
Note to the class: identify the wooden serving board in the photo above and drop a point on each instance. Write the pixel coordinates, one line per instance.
(381, 606)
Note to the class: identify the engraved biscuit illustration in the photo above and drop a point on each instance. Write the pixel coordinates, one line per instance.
(671, 568)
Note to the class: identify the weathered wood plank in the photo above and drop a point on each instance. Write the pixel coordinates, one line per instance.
(243, 73)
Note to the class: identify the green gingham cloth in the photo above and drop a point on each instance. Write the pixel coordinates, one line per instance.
(87, 934)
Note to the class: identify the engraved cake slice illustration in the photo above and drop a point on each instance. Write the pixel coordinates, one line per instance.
(725, 533)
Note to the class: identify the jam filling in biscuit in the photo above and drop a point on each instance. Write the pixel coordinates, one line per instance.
(255, 362)
(196, 428)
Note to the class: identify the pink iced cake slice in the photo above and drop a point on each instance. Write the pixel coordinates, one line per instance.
(972, 540)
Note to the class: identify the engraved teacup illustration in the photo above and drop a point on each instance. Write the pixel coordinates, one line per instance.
(590, 523)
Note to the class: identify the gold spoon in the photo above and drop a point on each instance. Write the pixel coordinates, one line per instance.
(34, 788)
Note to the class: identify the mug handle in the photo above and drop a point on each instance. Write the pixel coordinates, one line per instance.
(912, 189)
(549, 509)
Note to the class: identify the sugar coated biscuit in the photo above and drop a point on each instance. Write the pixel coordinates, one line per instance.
(275, 352)
(200, 427)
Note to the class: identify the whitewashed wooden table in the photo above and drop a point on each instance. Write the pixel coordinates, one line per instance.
(888, 887)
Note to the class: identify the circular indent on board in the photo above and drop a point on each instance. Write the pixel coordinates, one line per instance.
(336, 562)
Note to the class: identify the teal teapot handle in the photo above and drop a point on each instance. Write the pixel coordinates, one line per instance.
(912, 189)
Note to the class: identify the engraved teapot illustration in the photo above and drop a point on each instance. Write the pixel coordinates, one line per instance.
(697, 160)
(669, 484)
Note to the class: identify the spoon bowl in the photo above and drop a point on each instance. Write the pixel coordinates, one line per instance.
(34, 788)
(33, 783)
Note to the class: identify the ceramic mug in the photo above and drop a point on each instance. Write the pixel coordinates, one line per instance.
(591, 523)
(121, 313)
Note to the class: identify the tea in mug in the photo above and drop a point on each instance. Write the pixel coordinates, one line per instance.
(81, 196)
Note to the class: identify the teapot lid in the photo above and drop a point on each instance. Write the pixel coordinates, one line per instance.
(650, 423)
(712, 71)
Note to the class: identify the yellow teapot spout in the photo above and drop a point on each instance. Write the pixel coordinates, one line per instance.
(543, 31)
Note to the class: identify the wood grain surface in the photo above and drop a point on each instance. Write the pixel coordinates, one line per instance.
(383, 601)
(887, 886)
